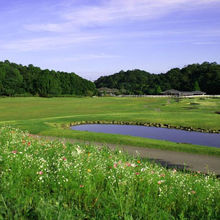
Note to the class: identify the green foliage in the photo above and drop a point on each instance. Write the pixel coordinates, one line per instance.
(55, 180)
(17, 79)
(204, 77)
(196, 86)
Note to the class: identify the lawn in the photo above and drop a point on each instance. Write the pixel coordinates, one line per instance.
(51, 117)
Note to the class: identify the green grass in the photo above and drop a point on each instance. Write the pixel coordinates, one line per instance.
(45, 116)
(53, 180)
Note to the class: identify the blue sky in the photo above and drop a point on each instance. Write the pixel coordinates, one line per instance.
(100, 37)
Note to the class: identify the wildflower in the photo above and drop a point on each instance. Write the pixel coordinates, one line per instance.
(81, 186)
(89, 154)
(198, 172)
(29, 143)
(193, 192)
(128, 164)
(40, 172)
(133, 165)
(139, 161)
(79, 151)
(14, 151)
(64, 158)
(152, 172)
(174, 170)
(162, 175)
(160, 181)
(23, 141)
(115, 165)
(137, 173)
(89, 170)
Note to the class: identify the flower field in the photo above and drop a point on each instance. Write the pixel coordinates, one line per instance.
(52, 180)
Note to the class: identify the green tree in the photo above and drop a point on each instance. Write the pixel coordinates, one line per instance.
(196, 86)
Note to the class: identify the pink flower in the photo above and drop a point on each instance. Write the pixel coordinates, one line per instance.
(64, 158)
(137, 173)
(81, 186)
(40, 172)
(174, 170)
(128, 164)
(160, 181)
(193, 192)
(14, 151)
(115, 165)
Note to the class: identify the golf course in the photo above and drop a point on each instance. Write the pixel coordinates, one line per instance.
(54, 116)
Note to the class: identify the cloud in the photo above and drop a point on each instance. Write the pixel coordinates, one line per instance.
(71, 22)
(45, 27)
(44, 43)
(113, 12)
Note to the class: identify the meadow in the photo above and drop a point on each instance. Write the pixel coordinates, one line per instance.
(53, 116)
(54, 180)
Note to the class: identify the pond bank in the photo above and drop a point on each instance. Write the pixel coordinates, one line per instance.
(148, 124)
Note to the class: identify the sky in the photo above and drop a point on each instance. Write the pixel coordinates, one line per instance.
(94, 38)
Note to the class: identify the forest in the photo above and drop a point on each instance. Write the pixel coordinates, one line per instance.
(19, 80)
(196, 77)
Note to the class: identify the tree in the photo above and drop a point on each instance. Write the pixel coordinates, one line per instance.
(12, 81)
(196, 86)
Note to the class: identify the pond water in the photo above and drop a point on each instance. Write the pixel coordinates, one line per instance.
(174, 135)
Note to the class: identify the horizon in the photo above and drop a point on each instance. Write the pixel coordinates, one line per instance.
(101, 37)
(111, 73)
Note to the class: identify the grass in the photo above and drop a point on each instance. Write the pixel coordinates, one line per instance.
(53, 180)
(45, 116)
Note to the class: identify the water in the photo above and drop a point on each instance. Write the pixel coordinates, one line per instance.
(174, 135)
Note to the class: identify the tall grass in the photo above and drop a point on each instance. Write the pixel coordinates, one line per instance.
(53, 180)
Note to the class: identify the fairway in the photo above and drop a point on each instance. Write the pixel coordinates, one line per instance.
(52, 117)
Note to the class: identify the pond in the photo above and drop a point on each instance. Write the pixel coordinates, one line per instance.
(174, 135)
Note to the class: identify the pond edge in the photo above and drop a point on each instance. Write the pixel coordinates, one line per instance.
(147, 124)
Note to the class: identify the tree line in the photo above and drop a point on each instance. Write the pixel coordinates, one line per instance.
(16, 79)
(30, 80)
(204, 77)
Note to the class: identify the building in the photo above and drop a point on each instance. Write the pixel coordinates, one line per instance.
(107, 91)
(174, 92)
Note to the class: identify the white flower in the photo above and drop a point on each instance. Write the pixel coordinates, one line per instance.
(79, 151)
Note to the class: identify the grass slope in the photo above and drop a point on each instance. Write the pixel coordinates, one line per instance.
(52, 180)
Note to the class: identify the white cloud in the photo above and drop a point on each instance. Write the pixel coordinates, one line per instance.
(44, 43)
(114, 12)
(72, 22)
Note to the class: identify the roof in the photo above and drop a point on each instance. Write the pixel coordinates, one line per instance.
(171, 91)
(108, 90)
(183, 93)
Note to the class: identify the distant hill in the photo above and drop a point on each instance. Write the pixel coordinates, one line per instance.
(204, 77)
(30, 80)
